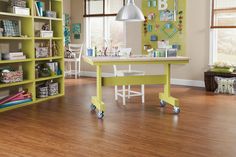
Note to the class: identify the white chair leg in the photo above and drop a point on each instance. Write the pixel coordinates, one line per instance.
(70, 68)
(79, 68)
(65, 69)
(76, 70)
(116, 90)
(123, 96)
(143, 93)
(128, 91)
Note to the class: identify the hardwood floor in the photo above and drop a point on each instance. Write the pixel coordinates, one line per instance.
(206, 126)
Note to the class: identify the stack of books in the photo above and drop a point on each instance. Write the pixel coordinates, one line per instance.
(16, 99)
(40, 8)
(13, 56)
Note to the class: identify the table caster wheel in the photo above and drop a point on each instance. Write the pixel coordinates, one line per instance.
(176, 110)
(92, 107)
(100, 114)
(162, 103)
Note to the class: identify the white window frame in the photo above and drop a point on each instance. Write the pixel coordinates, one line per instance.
(213, 40)
(106, 31)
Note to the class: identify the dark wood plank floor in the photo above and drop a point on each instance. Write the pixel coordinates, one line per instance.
(65, 127)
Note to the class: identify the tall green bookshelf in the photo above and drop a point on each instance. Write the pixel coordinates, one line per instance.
(28, 42)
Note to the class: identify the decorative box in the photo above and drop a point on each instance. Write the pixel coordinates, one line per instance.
(12, 76)
(52, 14)
(53, 89)
(18, 3)
(46, 34)
(42, 52)
(12, 28)
(42, 91)
(20, 10)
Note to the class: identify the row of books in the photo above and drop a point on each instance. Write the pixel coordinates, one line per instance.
(16, 99)
(13, 56)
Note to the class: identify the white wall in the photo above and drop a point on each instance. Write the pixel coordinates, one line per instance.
(66, 6)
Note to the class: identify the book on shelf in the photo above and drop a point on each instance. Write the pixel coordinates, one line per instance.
(53, 67)
(13, 56)
(12, 103)
(40, 8)
(37, 9)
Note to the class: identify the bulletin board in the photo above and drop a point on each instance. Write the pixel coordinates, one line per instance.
(164, 25)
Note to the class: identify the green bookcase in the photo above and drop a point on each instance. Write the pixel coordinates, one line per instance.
(28, 43)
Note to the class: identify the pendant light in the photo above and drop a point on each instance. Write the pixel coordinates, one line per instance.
(130, 13)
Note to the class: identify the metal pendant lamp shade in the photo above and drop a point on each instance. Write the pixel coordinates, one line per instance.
(130, 13)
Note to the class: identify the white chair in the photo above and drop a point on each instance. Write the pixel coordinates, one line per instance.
(127, 92)
(77, 50)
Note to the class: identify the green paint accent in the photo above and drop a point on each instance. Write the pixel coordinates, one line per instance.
(134, 80)
(176, 38)
(28, 47)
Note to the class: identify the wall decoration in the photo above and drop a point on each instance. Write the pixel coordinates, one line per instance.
(167, 15)
(149, 28)
(66, 22)
(76, 28)
(163, 44)
(145, 25)
(149, 3)
(151, 16)
(168, 24)
(156, 27)
(152, 3)
(77, 36)
(153, 38)
(162, 4)
(180, 22)
(169, 29)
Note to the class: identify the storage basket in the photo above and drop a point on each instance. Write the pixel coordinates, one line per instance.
(42, 91)
(11, 77)
(42, 52)
(18, 3)
(53, 89)
(52, 14)
(46, 34)
(209, 78)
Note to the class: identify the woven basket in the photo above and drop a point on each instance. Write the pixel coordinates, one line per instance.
(209, 78)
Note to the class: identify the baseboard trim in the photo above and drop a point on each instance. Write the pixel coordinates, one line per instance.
(182, 82)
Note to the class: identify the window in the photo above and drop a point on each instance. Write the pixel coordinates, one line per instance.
(101, 26)
(223, 31)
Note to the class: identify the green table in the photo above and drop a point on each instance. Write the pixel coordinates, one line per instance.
(164, 79)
